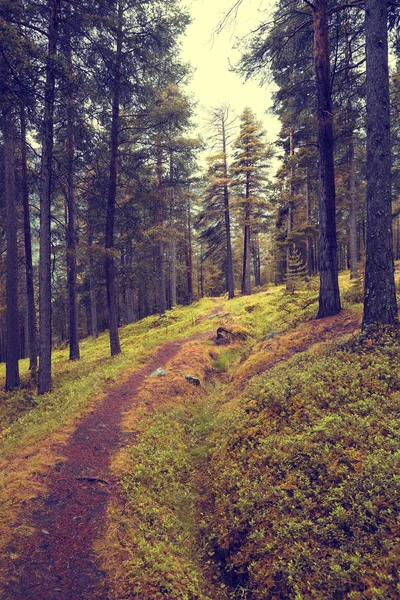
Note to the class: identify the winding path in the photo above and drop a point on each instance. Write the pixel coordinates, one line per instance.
(57, 561)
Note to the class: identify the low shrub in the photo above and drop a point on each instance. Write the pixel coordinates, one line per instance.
(305, 477)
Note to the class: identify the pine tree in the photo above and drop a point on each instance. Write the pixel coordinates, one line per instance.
(296, 271)
(380, 304)
(249, 182)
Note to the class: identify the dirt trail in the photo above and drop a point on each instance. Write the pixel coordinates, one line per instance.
(57, 561)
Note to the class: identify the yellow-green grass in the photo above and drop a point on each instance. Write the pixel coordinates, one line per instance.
(34, 428)
(75, 383)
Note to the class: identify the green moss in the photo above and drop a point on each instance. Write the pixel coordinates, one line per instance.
(223, 361)
(26, 418)
(159, 512)
(306, 477)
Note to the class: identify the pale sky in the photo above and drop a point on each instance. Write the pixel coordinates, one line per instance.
(210, 55)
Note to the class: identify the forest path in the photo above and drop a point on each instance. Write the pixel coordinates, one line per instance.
(57, 561)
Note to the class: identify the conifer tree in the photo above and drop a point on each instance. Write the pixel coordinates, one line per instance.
(45, 323)
(249, 182)
(380, 304)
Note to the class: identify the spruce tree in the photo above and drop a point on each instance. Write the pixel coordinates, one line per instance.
(249, 182)
(380, 304)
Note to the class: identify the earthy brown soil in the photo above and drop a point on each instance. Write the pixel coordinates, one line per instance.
(57, 561)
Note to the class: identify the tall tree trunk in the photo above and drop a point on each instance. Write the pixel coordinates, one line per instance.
(12, 348)
(130, 294)
(230, 285)
(329, 298)
(30, 293)
(92, 291)
(71, 206)
(289, 247)
(246, 278)
(172, 242)
(353, 212)
(201, 274)
(161, 283)
(189, 254)
(115, 347)
(309, 239)
(379, 293)
(44, 375)
(256, 259)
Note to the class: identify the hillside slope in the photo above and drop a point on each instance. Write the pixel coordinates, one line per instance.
(260, 465)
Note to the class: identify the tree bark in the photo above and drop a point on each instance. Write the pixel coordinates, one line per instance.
(353, 254)
(12, 348)
(246, 279)
(30, 293)
(229, 259)
(172, 243)
(309, 239)
(329, 298)
(161, 283)
(188, 253)
(256, 259)
(74, 353)
(380, 304)
(115, 347)
(44, 375)
(289, 246)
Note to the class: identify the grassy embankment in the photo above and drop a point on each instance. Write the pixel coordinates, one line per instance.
(270, 484)
(257, 484)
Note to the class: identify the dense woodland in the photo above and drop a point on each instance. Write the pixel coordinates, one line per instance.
(106, 215)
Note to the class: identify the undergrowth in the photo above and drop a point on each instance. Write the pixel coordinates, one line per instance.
(277, 484)
(32, 426)
(305, 477)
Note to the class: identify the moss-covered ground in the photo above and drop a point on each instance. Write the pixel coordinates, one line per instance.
(278, 477)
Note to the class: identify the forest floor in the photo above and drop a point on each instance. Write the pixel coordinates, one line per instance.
(56, 560)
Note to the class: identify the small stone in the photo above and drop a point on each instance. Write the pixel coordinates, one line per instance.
(192, 379)
(159, 372)
(271, 335)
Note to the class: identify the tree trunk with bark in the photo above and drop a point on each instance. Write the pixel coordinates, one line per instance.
(44, 375)
(380, 304)
(160, 260)
(74, 353)
(12, 347)
(353, 245)
(172, 242)
(30, 293)
(329, 298)
(246, 278)
(230, 285)
(289, 246)
(112, 307)
(188, 252)
(309, 239)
